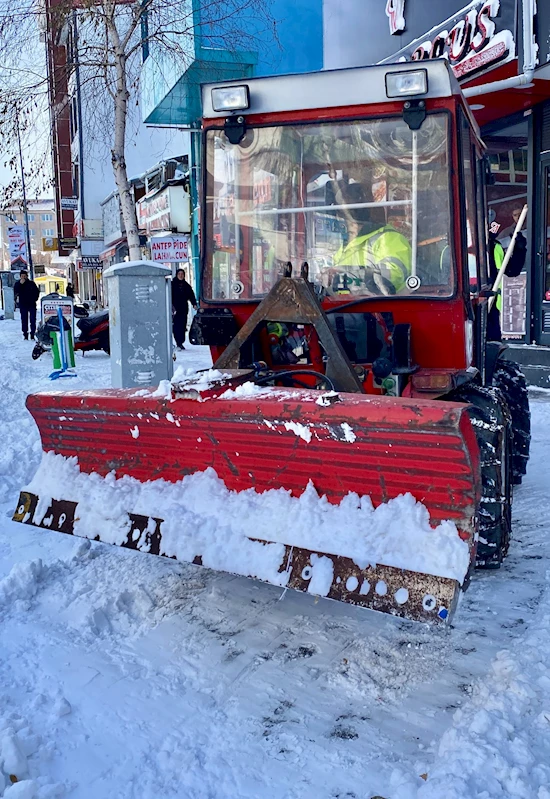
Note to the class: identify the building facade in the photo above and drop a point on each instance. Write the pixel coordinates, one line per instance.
(81, 125)
(500, 53)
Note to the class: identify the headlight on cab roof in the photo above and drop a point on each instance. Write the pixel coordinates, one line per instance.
(407, 84)
(230, 98)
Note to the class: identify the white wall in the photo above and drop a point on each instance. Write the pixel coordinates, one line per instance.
(144, 146)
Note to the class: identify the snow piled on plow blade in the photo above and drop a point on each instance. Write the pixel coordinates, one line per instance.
(329, 494)
(228, 528)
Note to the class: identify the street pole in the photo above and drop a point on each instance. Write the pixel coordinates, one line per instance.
(194, 183)
(25, 208)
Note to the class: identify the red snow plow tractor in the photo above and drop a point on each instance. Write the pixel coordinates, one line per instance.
(344, 297)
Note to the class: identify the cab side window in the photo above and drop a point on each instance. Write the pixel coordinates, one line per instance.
(470, 210)
(482, 222)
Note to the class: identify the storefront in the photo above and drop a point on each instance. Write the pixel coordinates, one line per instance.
(489, 44)
(165, 217)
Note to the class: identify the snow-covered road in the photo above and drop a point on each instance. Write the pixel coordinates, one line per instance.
(129, 676)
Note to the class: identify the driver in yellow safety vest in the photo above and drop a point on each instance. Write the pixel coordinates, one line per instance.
(376, 257)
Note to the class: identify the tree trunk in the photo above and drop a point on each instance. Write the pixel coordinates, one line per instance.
(118, 153)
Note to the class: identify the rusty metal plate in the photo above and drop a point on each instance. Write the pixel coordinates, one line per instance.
(400, 592)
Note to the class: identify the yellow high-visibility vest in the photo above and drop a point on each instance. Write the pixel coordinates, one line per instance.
(385, 251)
(499, 258)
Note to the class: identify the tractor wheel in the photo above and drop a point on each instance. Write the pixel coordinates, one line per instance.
(492, 423)
(509, 378)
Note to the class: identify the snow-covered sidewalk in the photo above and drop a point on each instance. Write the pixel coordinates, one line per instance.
(125, 675)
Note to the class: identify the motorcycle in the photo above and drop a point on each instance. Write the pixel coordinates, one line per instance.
(94, 333)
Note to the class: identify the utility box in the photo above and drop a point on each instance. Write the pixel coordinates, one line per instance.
(7, 282)
(8, 302)
(140, 323)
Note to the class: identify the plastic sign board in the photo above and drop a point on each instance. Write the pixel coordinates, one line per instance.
(170, 249)
(514, 305)
(17, 241)
(68, 243)
(49, 244)
(49, 305)
(91, 262)
(166, 210)
(69, 203)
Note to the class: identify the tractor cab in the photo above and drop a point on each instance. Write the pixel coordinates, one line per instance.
(367, 182)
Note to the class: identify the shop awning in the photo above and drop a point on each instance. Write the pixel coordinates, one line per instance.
(110, 251)
(499, 104)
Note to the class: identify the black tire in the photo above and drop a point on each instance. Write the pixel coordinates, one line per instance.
(493, 426)
(511, 381)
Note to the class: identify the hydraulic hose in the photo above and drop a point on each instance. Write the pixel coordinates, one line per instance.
(260, 381)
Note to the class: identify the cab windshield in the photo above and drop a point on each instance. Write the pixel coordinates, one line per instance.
(364, 203)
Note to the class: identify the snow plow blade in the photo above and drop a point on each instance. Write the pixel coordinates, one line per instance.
(270, 439)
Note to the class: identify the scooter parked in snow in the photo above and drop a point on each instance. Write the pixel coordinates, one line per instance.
(94, 334)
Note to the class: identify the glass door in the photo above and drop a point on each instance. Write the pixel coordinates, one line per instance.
(508, 154)
(543, 256)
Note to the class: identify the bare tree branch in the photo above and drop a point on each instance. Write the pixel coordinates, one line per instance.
(112, 36)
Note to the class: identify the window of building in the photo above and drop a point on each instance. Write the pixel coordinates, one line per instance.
(507, 150)
(48, 231)
(47, 217)
(31, 217)
(73, 117)
(507, 146)
(76, 178)
(31, 232)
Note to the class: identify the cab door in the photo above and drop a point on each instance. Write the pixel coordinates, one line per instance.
(474, 233)
(542, 271)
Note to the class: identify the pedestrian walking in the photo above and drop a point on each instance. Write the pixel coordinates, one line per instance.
(182, 295)
(70, 290)
(26, 294)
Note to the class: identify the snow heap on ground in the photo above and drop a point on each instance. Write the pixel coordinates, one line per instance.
(203, 517)
(18, 741)
(499, 744)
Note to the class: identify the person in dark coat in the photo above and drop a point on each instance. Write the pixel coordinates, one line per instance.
(26, 294)
(70, 290)
(182, 295)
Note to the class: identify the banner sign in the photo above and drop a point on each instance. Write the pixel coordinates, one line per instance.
(170, 249)
(17, 241)
(478, 38)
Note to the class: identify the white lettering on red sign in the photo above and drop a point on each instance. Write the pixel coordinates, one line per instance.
(154, 213)
(472, 43)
